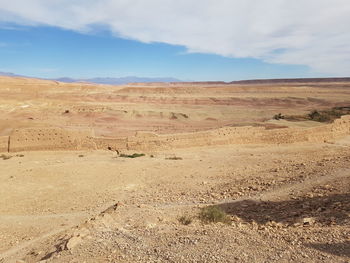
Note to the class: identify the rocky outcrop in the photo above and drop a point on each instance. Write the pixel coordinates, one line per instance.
(31, 139)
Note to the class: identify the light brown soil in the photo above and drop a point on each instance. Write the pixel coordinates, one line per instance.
(162, 108)
(266, 191)
(285, 203)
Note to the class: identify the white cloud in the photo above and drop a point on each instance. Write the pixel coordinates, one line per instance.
(314, 33)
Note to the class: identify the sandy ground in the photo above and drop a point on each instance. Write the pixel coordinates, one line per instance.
(47, 197)
(285, 203)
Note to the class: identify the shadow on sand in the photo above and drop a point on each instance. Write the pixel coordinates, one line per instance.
(327, 210)
(338, 249)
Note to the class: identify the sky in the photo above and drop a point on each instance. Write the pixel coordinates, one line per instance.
(195, 40)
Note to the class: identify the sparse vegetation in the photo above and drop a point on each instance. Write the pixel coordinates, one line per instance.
(174, 158)
(185, 220)
(213, 214)
(317, 115)
(328, 115)
(81, 155)
(134, 155)
(5, 157)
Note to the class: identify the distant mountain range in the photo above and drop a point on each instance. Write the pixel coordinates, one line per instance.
(9, 74)
(118, 81)
(111, 81)
(133, 79)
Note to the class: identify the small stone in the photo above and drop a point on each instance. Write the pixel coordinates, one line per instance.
(308, 221)
(83, 232)
(74, 241)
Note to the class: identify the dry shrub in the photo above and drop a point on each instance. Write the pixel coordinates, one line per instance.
(5, 157)
(213, 214)
(185, 220)
(134, 155)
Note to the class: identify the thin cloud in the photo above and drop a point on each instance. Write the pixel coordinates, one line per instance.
(307, 32)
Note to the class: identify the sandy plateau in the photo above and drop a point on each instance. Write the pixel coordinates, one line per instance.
(69, 192)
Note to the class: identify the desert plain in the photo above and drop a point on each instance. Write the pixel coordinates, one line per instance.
(217, 178)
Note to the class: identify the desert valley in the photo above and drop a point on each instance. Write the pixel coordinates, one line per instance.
(251, 171)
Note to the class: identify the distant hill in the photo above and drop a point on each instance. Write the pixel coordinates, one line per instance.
(299, 80)
(9, 74)
(204, 82)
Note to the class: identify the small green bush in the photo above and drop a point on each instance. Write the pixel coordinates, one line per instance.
(213, 214)
(278, 116)
(135, 155)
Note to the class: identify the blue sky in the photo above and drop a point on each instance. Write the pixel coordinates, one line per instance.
(51, 52)
(216, 40)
